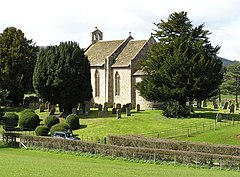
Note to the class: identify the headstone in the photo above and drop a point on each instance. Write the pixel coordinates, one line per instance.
(118, 106)
(124, 108)
(218, 117)
(80, 111)
(205, 103)
(41, 107)
(128, 111)
(225, 105)
(60, 108)
(129, 105)
(99, 110)
(215, 105)
(52, 111)
(49, 107)
(138, 107)
(87, 106)
(74, 110)
(26, 102)
(114, 111)
(231, 107)
(105, 107)
(119, 113)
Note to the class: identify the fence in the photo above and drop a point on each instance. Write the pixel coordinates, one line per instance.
(192, 129)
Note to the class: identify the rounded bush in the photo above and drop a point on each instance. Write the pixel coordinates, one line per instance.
(28, 120)
(11, 119)
(73, 121)
(60, 127)
(42, 130)
(27, 110)
(51, 120)
(175, 110)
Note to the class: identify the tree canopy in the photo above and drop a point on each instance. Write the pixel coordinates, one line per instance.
(182, 65)
(231, 83)
(62, 75)
(17, 60)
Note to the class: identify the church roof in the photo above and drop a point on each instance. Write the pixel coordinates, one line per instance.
(98, 52)
(129, 53)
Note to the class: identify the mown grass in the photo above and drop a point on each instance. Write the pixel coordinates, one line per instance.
(22, 163)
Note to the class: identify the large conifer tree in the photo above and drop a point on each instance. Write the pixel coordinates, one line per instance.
(62, 75)
(17, 60)
(182, 65)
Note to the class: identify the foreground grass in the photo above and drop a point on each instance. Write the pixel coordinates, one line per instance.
(22, 163)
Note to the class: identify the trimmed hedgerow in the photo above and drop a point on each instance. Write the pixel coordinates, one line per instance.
(158, 143)
(73, 121)
(28, 120)
(60, 127)
(51, 120)
(42, 130)
(10, 119)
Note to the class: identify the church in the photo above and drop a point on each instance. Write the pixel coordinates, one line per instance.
(114, 71)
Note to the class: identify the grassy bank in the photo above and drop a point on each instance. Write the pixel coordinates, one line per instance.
(39, 163)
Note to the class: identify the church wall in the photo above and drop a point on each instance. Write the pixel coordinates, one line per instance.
(144, 104)
(102, 97)
(125, 86)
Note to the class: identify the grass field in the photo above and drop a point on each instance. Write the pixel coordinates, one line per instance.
(24, 163)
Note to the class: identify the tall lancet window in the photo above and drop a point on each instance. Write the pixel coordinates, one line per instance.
(117, 84)
(97, 83)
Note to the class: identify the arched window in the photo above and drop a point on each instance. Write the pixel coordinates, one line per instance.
(117, 84)
(97, 83)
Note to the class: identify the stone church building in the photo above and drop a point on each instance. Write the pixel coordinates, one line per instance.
(114, 71)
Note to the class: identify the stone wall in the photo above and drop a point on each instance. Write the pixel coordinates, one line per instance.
(102, 97)
(125, 85)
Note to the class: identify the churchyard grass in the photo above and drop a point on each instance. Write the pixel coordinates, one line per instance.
(54, 164)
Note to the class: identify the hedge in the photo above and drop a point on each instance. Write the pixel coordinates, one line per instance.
(151, 154)
(158, 143)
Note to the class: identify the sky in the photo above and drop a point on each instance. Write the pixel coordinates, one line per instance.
(49, 22)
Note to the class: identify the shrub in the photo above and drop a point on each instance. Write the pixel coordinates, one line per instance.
(27, 110)
(175, 110)
(73, 121)
(11, 119)
(60, 127)
(42, 130)
(28, 120)
(51, 120)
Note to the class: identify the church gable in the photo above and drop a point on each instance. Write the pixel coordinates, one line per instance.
(129, 53)
(99, 51)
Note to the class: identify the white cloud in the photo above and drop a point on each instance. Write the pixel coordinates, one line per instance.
(52, 21)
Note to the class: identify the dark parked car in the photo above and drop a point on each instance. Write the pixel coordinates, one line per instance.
(65, 135)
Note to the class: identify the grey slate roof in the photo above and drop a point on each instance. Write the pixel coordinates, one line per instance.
(129, 52)
(98, 52)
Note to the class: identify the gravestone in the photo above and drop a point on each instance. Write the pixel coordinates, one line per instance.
(60, 108)
(124, 108)
(128, 111)
(99, 110)
(118, 106)
(74, 110)
(80, 111)
(231, 107)
(119, 113)
(129, 105)
(215, 105)
(52, 111)
(225, 105)
(138, 107)
(87, 106)
(218, 117)
(205, 103)
(49, 107)
(26, 102)
(114, 111)
(41, 107)
(105, 107)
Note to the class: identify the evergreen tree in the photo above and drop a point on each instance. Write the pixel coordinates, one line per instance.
(183, 65)
(17, 60)
(231, 84)
(62, 75)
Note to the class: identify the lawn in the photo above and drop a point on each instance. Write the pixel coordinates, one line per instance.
(22, 163)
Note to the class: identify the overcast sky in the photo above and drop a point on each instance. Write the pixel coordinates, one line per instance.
(49, 22)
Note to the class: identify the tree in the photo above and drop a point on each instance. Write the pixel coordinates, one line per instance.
(17, 60)
(231, 84)
(62, 75)
(182, 65)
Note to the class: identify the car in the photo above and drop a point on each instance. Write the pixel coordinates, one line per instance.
(65, 135)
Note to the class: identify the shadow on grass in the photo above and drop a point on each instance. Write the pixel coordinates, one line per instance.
(83, 126)
(209, 115)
